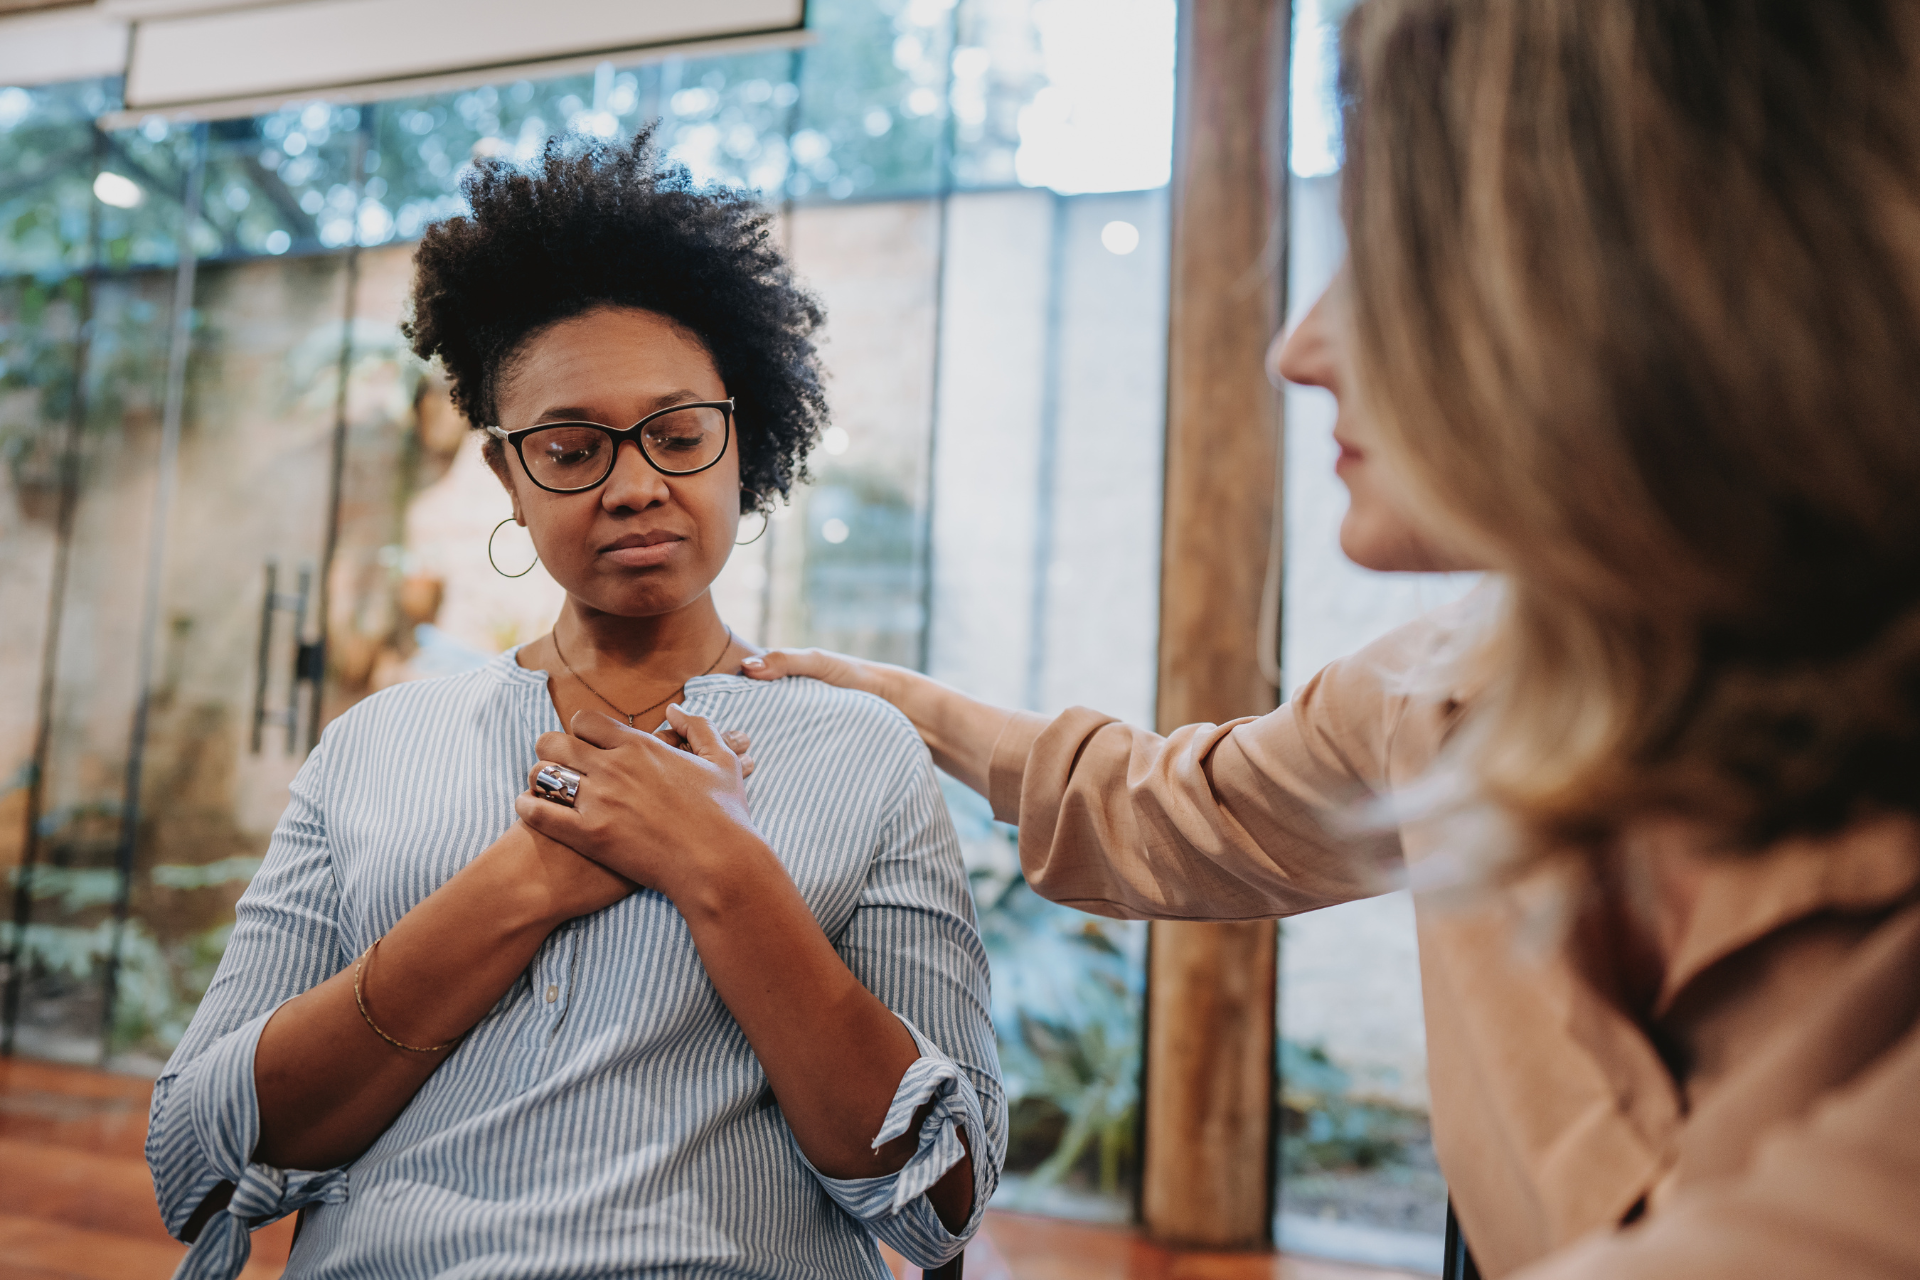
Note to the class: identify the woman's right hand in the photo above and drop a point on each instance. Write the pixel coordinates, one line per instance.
(569, 884)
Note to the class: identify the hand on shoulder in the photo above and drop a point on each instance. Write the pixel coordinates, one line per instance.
(838, 669)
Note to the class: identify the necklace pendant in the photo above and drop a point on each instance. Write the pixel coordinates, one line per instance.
(632, 720)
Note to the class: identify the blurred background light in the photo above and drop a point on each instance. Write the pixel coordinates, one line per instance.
(1316, 148)
(16, 104)
(120, 192)
(1104, 122)
(1120, 237)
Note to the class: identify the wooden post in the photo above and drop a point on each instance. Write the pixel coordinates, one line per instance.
(1210, 993)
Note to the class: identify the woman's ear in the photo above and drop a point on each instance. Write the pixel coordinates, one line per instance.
(496, 456)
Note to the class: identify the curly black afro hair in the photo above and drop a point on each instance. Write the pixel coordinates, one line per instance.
(599, 224)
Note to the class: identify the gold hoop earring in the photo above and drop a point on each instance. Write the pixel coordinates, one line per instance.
(764, 521)
(495, 563)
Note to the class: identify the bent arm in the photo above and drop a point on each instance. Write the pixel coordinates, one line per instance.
(328, 1083)
(251, 1121)
(1240, 821)
(1248, 820)
(888, 1118)
(834, 1054)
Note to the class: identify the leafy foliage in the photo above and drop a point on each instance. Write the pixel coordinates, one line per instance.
(1067, 992)
(1326, 1128)
(157, 987)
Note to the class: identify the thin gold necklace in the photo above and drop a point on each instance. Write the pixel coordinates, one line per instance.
(635, 715)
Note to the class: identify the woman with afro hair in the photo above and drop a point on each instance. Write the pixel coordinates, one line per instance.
(536, 980)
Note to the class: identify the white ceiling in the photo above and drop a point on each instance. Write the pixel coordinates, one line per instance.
(235, 57)
(76, 42)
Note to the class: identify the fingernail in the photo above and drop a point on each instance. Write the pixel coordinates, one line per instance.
(752, 662)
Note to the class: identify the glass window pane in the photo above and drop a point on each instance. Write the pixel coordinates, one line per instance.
(421, 146)
(412, 592)
(1089, 91)
(47, 152)
(70, 934)
(727, 119)
(1358, 1176)
(284, 182)
(1045, 574)
(847, 557)
(140, 194)
(873, 94)
(997, 69)
(39, 355)
(253, 491)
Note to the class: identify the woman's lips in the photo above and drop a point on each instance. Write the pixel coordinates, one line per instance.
(642, 550)
(1349, 456)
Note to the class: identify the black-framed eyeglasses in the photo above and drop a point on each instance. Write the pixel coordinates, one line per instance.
(567, 457)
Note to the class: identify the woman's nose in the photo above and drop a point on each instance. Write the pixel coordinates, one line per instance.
(1276, 352)
(634, 484)
(1304, 355)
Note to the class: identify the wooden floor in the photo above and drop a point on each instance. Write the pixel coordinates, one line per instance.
(75, 1200)
(76, 1204)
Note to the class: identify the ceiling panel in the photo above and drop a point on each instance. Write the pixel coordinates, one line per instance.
(322, 46)
(73, 42)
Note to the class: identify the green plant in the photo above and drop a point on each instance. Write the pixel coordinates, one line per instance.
(157, 986)
(1067, 993)
(1325, 1127)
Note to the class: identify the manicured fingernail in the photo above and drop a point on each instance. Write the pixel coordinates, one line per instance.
(752, 662)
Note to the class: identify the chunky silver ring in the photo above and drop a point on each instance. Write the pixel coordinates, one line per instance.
(557, 783)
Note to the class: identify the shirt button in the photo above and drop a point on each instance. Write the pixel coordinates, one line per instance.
(553, 993)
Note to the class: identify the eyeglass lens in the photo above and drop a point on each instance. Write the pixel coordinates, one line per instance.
(579, 455)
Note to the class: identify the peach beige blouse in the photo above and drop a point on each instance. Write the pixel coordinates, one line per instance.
(1756, 1112)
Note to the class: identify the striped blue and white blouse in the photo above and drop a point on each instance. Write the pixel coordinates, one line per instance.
(607, 1118)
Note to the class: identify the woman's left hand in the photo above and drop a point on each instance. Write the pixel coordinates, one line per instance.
(656, 814)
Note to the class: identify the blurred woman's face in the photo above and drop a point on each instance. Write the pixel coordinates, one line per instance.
(642, 543)
(1376, 533)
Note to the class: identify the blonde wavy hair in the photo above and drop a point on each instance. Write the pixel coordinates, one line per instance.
(1636, 307)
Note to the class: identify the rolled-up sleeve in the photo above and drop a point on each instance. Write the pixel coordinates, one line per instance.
(915, 943)
(205, 1120)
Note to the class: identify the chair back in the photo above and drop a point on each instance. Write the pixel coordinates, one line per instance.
(1458, 1263)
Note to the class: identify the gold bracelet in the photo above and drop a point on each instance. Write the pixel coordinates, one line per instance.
(361, 1000)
